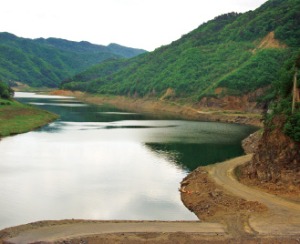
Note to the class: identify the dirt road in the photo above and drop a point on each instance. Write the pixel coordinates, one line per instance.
(78, 229)
(283, 217)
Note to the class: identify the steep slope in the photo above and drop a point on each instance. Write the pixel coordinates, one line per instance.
(45, 62)
(234, 54)
(277, 159)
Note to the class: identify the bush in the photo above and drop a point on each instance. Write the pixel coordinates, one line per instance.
(292, 126)
(5, 91)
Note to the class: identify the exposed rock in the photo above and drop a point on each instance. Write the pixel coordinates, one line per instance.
(250, 144)
(276, 162)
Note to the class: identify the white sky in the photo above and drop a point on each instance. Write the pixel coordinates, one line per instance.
(146, 24)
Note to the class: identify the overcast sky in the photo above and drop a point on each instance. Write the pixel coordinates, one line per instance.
(146, 24)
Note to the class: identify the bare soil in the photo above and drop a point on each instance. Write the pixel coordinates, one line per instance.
(212, 202)
(290, 192)
(172, 108)
(213, 193)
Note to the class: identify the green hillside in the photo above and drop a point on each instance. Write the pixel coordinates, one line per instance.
(236, 52)
(45, 62)
(18, 118)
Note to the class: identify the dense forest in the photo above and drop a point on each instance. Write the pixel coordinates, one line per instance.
(46, 62)
(285, 100)
(233, 53)
(238, 52)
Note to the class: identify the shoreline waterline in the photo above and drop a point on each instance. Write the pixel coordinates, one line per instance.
(167, 108)
(130, 109)
(221, 229)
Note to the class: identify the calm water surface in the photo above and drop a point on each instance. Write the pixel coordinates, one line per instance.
(97, 162)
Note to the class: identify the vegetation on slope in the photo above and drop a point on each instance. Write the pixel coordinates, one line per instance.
(45, 62)
(230, 52)
(285, 91)
(18, 118)
(5, 91)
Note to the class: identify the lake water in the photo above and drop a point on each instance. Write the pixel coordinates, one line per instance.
(97, 162)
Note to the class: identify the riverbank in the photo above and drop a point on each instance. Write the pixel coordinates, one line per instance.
(167, 108)
(16, 118)
(228, 211)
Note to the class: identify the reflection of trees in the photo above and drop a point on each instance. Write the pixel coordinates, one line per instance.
(191, 156)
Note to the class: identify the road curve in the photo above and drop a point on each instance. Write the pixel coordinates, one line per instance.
(283, 217)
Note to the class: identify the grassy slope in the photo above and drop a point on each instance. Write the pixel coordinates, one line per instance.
(18, 118)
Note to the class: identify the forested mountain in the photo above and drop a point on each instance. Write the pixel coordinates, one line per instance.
(86, 47)
(45, 62)
(230, 62)
(237, 53)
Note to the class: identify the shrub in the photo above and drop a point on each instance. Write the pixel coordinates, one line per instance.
(5, 91)
(292, 126)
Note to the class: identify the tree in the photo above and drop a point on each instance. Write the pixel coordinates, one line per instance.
(5, 91)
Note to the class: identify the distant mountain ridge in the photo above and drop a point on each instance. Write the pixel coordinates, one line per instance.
(85, 46)
(46, 62)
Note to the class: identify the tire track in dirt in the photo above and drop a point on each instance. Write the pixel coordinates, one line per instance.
(282, 217)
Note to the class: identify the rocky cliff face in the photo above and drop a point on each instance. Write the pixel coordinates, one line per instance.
(276, 160)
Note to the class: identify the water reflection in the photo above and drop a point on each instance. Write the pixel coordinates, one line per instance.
(74, 111)
(73, 105)
(98, 162)
(191, 156)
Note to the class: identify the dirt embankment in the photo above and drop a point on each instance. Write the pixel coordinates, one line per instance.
(246, 102)
(214, 194)
(211, 202)
(170, 108)
(275, 167)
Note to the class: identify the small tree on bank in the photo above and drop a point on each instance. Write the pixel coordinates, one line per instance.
(5, 91)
